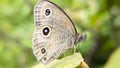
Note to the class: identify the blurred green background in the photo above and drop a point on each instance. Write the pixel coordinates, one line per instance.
(99, 19)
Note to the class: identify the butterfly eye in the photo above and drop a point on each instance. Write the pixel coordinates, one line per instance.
(47, 12)
(46, 31)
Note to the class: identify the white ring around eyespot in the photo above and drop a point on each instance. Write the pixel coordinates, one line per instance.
(48, 33)
(50, 12)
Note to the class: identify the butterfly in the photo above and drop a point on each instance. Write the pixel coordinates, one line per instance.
(54, 32)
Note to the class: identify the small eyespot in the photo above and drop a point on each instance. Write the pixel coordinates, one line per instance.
(43, 50)
(47, 12)
(46, 30)
(44, 58)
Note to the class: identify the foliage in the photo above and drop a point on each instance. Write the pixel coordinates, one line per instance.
(66, 62)
(99, 19)
(114, 60)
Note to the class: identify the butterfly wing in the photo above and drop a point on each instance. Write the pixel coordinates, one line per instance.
(54, 31)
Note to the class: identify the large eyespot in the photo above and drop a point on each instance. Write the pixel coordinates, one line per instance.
(47, 12)
(46, 30)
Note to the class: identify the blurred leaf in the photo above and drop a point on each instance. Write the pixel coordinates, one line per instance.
(114, 60)
(67, 62)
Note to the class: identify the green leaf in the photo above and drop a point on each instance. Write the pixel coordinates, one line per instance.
(66, 62)
(114, 60)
